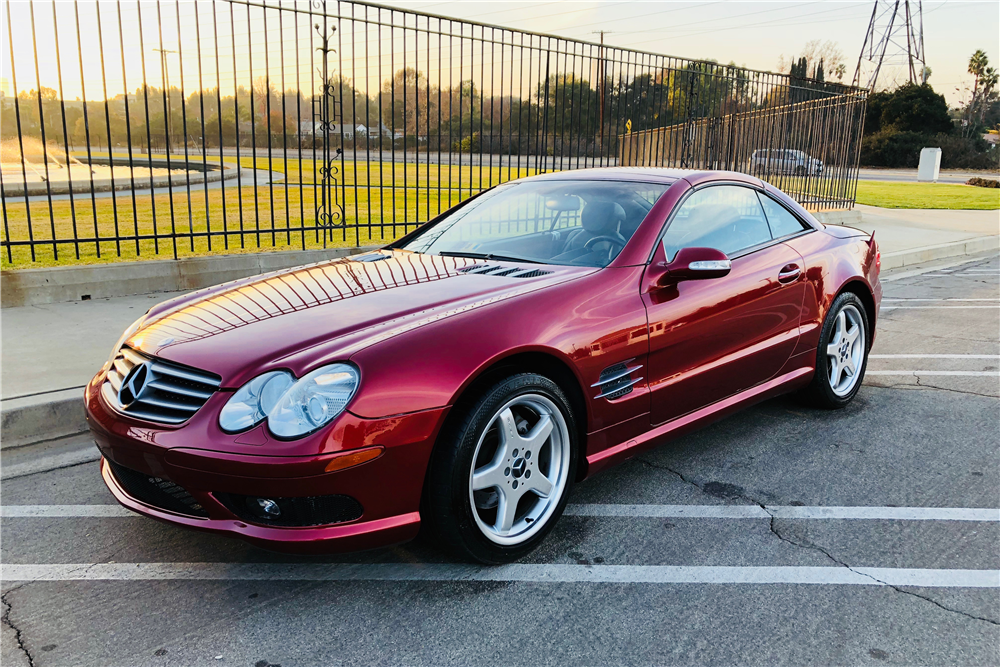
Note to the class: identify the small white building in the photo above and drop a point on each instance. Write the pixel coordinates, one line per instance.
(309, 128)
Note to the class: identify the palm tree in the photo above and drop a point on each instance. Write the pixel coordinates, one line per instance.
(978, 64)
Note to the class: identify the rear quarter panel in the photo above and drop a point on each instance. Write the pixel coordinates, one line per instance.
(832, 263)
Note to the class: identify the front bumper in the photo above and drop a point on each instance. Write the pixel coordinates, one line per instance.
(208, 464)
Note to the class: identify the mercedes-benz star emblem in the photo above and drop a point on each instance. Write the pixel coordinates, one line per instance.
(134, 384)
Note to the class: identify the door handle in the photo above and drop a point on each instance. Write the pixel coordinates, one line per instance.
(789, 273)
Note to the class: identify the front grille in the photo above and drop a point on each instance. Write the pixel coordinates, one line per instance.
(159, 391)
(295, 512)
(156, 491)
(617, 381)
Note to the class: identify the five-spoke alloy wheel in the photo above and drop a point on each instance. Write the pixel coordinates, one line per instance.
(845, 352)
(842, 355)
(499, 479)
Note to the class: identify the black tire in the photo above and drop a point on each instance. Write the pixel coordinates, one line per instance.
(447, 509)
(820, 392)
(800, 170)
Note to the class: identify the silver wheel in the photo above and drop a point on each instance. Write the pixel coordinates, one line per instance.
(845, 353)
(520, 469)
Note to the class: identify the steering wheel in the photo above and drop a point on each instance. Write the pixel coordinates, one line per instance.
(610, 239)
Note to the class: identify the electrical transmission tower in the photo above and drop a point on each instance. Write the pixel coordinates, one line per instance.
(894, 42)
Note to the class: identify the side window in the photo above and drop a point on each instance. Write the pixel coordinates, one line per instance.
(781, 221)
(725, 217)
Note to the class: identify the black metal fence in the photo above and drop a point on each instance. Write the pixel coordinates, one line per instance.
(175, 128)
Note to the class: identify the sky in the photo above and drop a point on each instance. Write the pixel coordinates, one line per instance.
(750, 33)
(758, 35)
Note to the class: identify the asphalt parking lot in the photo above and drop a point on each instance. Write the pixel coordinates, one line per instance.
(781, 535)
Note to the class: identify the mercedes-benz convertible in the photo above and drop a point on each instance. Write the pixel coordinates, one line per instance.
(463, 378)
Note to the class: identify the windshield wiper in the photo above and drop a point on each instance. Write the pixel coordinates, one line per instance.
(487, 256)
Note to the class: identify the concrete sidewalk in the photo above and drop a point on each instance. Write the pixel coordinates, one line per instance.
(50, 351)
(910, 175)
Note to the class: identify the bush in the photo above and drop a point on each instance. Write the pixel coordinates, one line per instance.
(983, 182)
(892, 148)
(965, 153)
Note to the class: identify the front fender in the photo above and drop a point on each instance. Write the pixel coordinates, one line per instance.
(587, 325)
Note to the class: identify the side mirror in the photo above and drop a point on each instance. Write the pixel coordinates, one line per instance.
(697, 264)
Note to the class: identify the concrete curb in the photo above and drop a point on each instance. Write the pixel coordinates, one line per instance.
(838, 217)
(193, 172)
(895, 260)
(31, 287)
(32, 419)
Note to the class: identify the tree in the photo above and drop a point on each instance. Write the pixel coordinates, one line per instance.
(983, 93)
(814, 53)
(915, 108)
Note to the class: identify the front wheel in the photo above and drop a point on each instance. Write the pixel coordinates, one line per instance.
(842, 355)
(499, 479)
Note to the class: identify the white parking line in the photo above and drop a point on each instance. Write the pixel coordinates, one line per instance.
(939, 307)
(934, 356)
(621, 510)
(531, 573)
(915, 373)
(786, 512)
(939, 300)
(65, 511)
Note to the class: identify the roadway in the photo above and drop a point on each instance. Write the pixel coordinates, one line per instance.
(781, 536)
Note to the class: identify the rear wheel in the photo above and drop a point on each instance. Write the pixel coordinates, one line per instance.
(500, 478)
(842, 355)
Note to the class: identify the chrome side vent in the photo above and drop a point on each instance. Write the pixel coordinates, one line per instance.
(155, 390)
(617, 381)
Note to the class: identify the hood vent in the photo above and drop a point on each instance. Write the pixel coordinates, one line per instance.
(617, 381)
(499, 271)
(371, 257)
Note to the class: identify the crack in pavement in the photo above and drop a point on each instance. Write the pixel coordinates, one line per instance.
(18, 636)
(957, 391)
(39, 472)
(809, 545)
(920, 386)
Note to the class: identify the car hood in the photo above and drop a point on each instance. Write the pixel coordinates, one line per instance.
(240, 329)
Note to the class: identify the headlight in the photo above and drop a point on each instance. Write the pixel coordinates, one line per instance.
(254, 400)
(292, 408)
(121, 341)
(313, 401)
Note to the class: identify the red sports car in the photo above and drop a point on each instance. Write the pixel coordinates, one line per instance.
(467, 375)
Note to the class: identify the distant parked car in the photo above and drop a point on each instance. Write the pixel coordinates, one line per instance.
(467, 375)
(783, 161)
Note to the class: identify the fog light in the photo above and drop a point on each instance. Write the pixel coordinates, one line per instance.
(263, 508)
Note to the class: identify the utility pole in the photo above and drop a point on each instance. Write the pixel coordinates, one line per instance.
(165, 77)
(600, 80)
(895, 38)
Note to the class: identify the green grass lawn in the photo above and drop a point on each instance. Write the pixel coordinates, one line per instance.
(927, 195)
(380, 203)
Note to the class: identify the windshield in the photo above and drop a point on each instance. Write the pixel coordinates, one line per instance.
(583, 223)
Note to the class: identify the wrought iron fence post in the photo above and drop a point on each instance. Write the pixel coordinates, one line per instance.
(329, 209)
